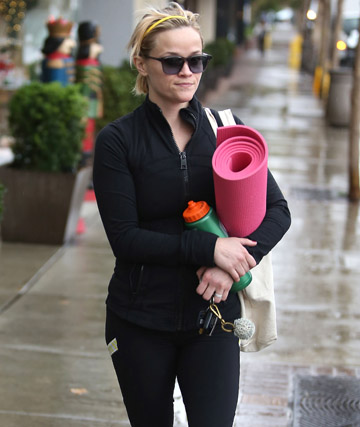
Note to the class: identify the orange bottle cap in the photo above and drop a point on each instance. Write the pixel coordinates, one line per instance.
(195, 211)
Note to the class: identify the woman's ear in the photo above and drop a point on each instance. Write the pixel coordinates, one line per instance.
(140, 65)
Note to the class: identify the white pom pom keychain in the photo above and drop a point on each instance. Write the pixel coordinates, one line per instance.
(242, 328)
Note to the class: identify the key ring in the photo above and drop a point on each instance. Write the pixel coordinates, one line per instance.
(244, 328)
(225, 326)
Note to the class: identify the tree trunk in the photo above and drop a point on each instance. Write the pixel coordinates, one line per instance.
(324, 49)
(307, 52)
(306, 7)
(354, 184)
(321, 41)
(317, 33)
(337, 30)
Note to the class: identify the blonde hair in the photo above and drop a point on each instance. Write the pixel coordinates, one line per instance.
(153, 22)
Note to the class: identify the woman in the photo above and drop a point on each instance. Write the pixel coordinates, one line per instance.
(148, 165)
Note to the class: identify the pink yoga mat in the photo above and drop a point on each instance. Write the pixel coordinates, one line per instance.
(240, 178)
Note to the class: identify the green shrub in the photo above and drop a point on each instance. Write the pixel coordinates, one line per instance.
(34, 71)
(222, 51)
(47, 121)
(119, 98)
(2, 191)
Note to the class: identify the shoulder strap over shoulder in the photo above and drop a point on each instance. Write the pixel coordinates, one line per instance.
(225, 118)
(212, 120)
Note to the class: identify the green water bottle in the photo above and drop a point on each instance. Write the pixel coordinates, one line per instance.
(201, 216)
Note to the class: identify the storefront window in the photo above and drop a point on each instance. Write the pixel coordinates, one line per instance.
(22, 33)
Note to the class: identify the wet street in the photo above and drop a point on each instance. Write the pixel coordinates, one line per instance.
(54, 366)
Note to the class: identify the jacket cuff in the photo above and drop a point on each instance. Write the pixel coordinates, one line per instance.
(198, 248)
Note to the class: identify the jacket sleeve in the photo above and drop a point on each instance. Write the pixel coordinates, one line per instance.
(116, 198)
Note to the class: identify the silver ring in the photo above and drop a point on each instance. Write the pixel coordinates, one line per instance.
(218, 295)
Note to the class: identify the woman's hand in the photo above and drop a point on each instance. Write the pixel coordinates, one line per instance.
(232, 256)
(213, 282)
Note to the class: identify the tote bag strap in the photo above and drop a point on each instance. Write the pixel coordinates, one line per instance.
(226, 119)
(212, 120)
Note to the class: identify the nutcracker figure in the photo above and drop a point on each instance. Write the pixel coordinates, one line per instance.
(58, 64)
(89, 75)
(88, 68)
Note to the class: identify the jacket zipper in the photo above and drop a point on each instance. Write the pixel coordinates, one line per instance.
(183, 162)
(184, 168)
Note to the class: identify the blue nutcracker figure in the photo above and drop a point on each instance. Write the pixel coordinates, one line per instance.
(58, 64)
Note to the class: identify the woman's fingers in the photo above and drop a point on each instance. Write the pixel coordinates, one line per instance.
(232, 262)
(214, 283)
(200, 272)
(218, 297)
(232, 256)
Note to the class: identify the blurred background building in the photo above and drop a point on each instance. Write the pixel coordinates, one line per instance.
(23, 26)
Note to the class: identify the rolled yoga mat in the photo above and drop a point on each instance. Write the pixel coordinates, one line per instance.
(240, 178)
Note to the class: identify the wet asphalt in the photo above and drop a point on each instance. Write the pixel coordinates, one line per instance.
(54, 366)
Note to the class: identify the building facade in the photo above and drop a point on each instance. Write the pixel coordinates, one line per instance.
(116, 19)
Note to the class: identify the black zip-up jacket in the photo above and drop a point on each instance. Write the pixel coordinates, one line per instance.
(142, 184)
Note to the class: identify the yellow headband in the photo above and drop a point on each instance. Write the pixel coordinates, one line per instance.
(162, 20)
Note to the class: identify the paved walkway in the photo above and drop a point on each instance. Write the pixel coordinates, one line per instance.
(54, 367)
(316, 265)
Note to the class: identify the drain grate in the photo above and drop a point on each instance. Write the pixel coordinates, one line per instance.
(322, 401)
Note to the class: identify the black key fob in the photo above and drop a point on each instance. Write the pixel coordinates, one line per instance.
(206, 322)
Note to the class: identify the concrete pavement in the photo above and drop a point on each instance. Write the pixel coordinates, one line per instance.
(316, 266)
(54, 367)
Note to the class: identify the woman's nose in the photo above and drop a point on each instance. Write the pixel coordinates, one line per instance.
(185, 69)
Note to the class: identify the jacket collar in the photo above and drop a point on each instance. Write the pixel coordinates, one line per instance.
(191, 113)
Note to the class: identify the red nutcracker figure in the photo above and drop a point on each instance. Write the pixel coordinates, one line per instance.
(89, 75)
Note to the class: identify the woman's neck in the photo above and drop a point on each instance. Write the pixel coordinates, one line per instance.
(169, 110)
(181, 130)
(171, 115)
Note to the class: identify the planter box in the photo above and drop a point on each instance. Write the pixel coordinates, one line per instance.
(42, 207)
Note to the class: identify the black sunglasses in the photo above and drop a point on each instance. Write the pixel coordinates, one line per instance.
(174, 64)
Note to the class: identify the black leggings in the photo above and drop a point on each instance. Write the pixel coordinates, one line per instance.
(147, 363)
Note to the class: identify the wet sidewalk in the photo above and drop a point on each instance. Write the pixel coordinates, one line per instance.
(54, 366)
(316, 266)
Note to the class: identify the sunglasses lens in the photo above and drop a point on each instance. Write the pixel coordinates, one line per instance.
(205, 61)
(197, 64)
(172, 64)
